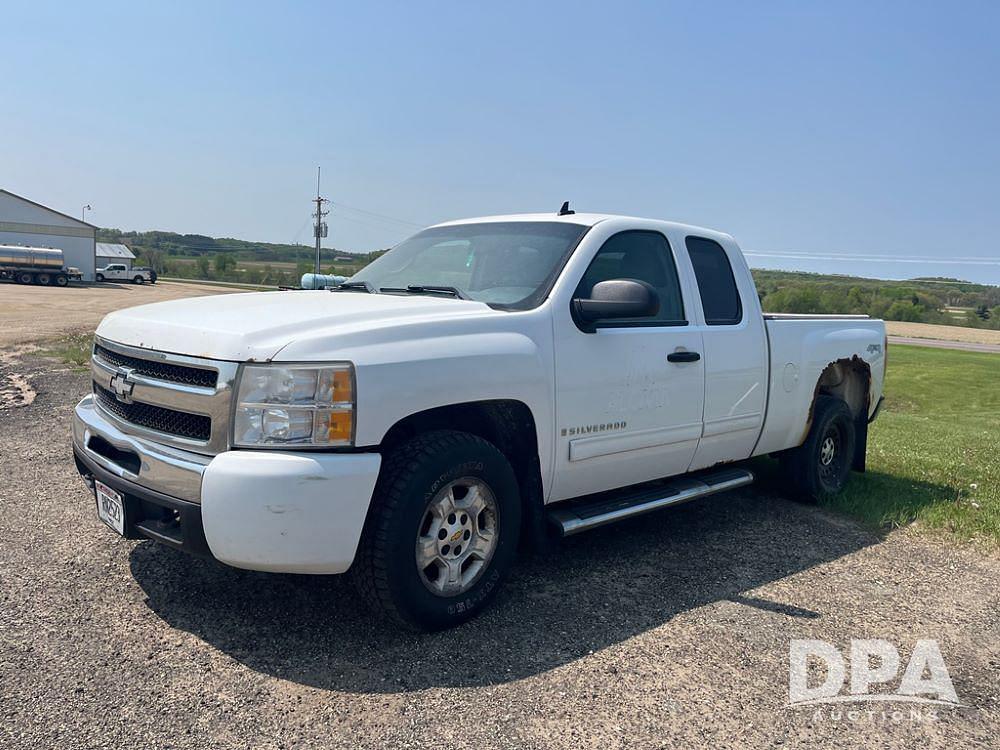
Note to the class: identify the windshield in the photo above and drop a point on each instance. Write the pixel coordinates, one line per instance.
(505, 264)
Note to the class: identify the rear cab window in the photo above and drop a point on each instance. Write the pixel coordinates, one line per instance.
(720, 298)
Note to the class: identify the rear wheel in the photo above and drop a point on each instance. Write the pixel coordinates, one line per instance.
(61, 279)
(43, 278)
(137, 279)
(822, 464)
(442, 530)
(24, 277)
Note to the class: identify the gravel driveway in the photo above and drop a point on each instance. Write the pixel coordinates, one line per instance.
(672, 630)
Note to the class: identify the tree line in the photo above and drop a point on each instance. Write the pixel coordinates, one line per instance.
(932, 300)
(197, 256)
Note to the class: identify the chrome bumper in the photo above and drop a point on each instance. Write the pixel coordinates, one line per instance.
(160, 468)
(281, 511)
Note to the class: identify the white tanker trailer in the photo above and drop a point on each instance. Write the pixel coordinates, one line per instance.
(35, 265)
(321, 280)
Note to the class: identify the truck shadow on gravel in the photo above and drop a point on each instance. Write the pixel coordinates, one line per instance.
(591, 592)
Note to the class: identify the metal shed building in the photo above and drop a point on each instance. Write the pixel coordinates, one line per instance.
(112, 252)
(24, 222)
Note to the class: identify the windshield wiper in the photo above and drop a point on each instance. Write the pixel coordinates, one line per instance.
(356, 286)
(427, 289)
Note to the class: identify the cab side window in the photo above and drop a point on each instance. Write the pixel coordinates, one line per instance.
(720, 299)
(641, 255)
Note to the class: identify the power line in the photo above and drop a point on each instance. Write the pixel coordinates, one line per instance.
(338, 204)
(369, 223)
(873, 257)
(298, 232)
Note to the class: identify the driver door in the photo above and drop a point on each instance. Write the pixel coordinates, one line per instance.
(630, 394)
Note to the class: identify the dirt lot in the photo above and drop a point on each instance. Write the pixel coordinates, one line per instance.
(946, 344)
(669, 631)
(29, 313)
(942, 333)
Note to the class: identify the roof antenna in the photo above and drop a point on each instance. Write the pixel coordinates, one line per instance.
(566, 210)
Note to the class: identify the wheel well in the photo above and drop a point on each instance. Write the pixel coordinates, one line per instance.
(506, 423)
(850, 381)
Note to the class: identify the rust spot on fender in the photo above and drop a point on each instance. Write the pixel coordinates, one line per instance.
(853, 364)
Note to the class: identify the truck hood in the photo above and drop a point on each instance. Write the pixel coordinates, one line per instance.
(257, 325)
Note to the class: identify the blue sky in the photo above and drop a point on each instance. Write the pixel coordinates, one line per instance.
(858, 129)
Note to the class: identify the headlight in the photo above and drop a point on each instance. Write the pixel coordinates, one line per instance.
(295, 405)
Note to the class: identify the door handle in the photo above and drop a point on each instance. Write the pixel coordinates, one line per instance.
(683, 357)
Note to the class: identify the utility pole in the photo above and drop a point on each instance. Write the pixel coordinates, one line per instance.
(319, 228)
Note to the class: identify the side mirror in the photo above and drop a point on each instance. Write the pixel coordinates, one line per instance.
(617, 298)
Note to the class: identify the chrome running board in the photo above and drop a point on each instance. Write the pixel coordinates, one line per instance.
(583, 514)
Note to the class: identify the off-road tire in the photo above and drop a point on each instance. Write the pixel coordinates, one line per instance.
(385, 570)
(811, 472)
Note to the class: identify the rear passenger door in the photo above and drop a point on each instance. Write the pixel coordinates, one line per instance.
(735, 351)
(625, 412)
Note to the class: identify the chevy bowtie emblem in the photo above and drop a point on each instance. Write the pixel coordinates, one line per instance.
(122, 385)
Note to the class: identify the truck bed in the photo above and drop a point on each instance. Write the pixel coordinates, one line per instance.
(800, 348)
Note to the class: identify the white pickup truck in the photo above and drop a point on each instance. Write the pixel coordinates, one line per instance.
(485, 383)
(121, 272)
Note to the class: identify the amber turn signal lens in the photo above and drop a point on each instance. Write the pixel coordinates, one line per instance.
(343, 391)
(340, 425)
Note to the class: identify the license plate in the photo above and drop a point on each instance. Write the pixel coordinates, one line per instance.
(110, 507)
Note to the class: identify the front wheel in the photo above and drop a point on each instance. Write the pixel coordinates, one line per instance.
(442, 530)
(822, 464)
(99, 277)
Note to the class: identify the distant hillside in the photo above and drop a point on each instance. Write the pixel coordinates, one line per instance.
(194, 245)
(198, 256)
(938, 300)
(925, 300)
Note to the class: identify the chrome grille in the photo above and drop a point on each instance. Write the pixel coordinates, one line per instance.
(172, 399)
(160, 370)
(158, 418)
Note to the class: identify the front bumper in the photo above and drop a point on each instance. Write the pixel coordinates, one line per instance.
(292, 512)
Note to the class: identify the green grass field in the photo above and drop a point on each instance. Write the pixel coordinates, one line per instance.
(933, 452)
(73, 350)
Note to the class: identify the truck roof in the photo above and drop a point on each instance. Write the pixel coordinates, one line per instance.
(584, 219)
